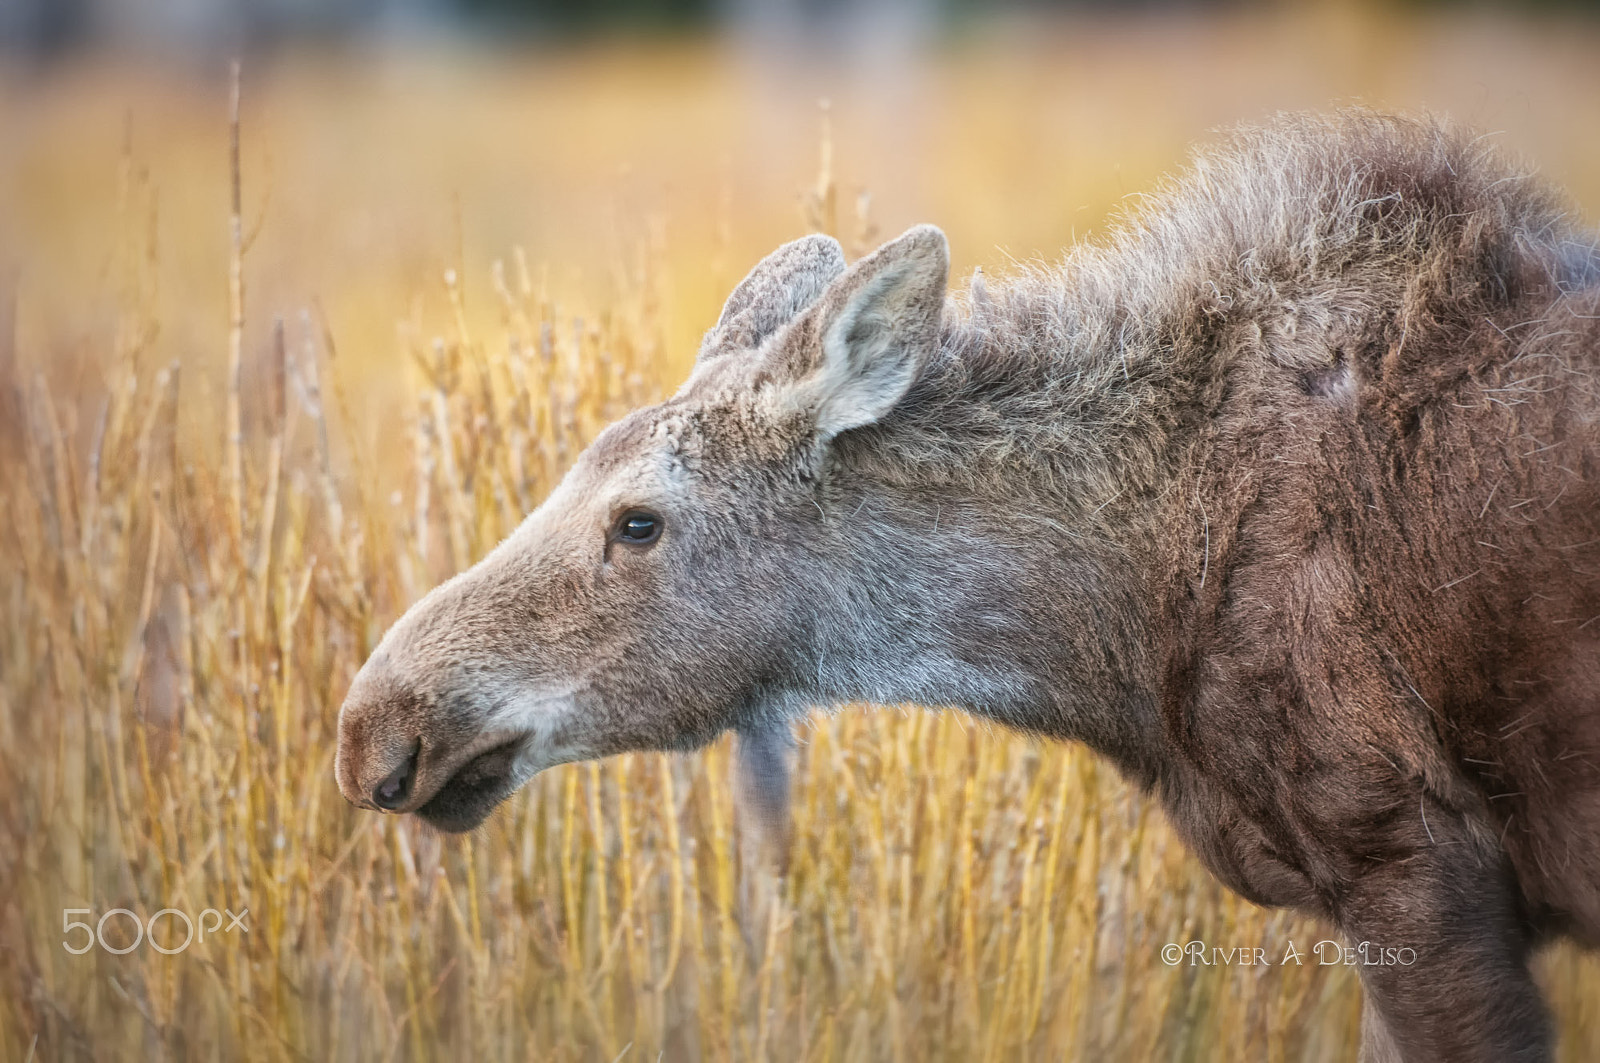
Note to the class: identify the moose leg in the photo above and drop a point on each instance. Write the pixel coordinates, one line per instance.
(1467, 994)
(1376, 1044)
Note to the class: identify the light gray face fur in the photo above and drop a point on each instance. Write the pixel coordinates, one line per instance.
(780, 579)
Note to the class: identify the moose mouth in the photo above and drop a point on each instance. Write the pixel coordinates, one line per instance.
(469, 795)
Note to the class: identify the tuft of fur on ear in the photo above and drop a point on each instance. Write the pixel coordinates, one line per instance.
(779, 288)
(873, 330)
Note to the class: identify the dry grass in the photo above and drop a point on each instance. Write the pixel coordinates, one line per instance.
(182, 612)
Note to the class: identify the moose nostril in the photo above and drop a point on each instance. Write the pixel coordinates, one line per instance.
(391, 793)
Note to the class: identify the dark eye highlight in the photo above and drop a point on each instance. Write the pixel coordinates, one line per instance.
(638, 528)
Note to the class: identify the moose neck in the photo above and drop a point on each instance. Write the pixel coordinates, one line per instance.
(1004, 523)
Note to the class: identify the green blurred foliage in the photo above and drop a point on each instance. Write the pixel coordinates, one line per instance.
(588, 15)
(601, 15)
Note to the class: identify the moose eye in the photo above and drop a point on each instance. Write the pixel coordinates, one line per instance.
(639, 528)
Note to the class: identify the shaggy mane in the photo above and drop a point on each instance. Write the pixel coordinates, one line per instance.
(1313, 219)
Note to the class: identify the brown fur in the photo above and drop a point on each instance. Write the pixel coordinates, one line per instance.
(1286, 499)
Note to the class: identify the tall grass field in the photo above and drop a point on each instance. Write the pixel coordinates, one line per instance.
(278, 356)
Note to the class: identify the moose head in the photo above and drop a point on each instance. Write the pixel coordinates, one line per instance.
(697, 569)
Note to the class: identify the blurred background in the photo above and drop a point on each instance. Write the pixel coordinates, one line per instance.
(408, 135)
(465, 234)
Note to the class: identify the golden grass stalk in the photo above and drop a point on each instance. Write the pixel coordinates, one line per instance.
(235, 438)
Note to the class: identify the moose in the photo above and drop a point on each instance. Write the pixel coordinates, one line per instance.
(1284, 497)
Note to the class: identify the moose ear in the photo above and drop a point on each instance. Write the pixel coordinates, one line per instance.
(873, 330)
(779, 287)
